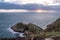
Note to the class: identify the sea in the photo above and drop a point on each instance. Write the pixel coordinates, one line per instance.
(9, 19)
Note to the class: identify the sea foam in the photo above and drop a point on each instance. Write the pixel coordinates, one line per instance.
(16, 33)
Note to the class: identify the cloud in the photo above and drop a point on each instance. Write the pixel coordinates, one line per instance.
(5, 5)
(13, 10)
(55, 8)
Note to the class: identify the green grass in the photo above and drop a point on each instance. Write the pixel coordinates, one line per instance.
(52, 33)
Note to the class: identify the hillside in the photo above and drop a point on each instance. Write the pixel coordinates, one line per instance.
(53, 29)
(55, 26)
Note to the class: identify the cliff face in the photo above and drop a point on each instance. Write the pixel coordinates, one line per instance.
(55, 26)
(20, 27)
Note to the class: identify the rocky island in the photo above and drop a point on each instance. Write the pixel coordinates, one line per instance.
(21, 27)
(34, 32)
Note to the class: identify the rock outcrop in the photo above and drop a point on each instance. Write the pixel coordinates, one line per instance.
(30, 31)
(23, 38)
(39, 38)
(21, 27)
(56, 37)
(18, 38)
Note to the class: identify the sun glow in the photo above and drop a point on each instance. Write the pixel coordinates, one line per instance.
(43, 11)
(13, 10)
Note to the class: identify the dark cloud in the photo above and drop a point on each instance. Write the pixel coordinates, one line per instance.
(55, 8)
(4, 5)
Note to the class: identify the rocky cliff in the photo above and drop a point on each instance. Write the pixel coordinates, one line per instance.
(55, 26)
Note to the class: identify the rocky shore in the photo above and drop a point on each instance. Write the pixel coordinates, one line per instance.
(34, 32)
(36, 38)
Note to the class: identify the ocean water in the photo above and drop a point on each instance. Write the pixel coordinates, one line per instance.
(7, 20)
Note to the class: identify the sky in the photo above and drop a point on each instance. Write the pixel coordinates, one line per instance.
(49, 2)
(30, 1)
(29, 5)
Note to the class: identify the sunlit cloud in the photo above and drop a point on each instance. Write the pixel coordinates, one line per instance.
(13, 10)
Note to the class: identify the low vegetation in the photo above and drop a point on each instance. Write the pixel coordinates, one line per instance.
(53, 29)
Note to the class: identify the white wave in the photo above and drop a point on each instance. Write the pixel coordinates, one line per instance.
(12, 30)
(16, 33)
